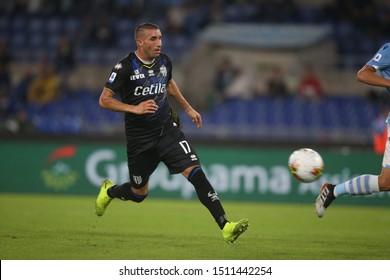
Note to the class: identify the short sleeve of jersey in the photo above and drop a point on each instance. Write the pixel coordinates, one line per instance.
(116, 79)
(381, 60)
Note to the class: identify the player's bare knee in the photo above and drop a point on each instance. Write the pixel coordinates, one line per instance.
(384, 182)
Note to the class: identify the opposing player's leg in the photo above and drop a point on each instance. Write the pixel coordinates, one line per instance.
(384, 180)
(324, 199)
(361, 185)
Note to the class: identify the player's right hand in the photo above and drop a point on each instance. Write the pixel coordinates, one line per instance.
(145, 107)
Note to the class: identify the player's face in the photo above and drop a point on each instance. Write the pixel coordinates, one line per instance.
(150, 43)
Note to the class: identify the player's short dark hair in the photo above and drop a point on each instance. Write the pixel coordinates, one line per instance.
(143, 26)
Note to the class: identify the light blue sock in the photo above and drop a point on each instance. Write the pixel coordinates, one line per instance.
(361, 185)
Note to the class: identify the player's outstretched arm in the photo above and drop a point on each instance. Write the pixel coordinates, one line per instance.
(107, 101)
(174, 91)
(367, 75)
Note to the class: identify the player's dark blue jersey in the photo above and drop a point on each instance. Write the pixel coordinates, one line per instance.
(136, 82)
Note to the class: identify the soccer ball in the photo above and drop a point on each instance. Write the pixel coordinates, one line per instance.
(306, 165)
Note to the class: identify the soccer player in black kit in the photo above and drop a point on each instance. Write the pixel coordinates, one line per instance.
(143, 79)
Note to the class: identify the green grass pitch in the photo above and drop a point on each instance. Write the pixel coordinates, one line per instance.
(44, 227)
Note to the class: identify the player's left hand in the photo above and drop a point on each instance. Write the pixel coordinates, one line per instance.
(195, 116)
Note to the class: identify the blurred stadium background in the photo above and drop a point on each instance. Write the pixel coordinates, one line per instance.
(333, 38)
(336, 37)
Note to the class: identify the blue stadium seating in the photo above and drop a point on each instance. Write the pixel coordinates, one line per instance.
(258, 119)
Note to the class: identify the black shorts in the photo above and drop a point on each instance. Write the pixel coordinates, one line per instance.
(171, 147)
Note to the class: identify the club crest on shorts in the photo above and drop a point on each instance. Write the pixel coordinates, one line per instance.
(137, 179)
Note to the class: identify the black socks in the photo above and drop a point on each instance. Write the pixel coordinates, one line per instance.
(124, 192)
(207, 195)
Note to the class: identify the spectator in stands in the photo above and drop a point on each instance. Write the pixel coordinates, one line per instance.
(16, 117)
(5, 55)
(242, 87)
(224, 77)
(64, 61)
(45, 87)
(5, 78)
(310, 86)
(18, 98)
(176, 16)
(376, 94)
(380, 131)
(102, 33)
(4, 90)
(276, 83)
(3, 103)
